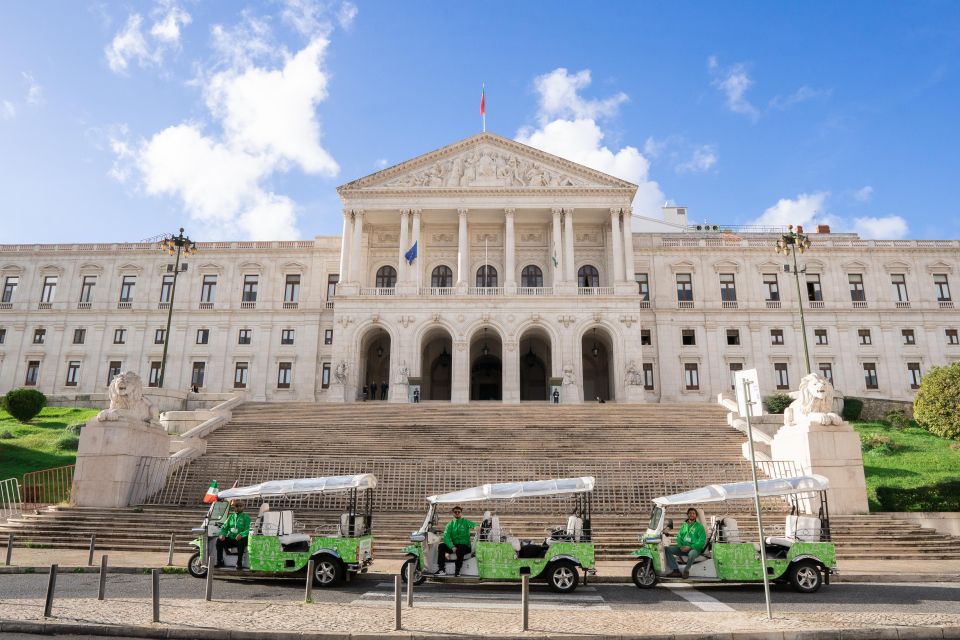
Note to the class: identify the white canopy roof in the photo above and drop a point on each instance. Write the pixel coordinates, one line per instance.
(744, 490)
(508, 490)
(300, 486)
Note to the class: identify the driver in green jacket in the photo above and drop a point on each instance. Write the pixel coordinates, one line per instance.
(456, 539)
(691, 540)
(234, 533)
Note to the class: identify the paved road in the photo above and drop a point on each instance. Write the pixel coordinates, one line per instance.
(836, 598)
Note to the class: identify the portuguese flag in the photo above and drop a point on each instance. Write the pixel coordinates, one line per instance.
(483, 100)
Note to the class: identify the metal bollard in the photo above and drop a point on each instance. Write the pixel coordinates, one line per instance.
(155, 579)
(308, 590)
(9, 549)
(397, 622)
(170, 552)
(525, 600)
(93, 544)
(410, 584)
(208, 594)
(103, 578)
(51, 586)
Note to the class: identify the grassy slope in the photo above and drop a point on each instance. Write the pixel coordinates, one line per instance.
(34, 446)
(920, 460)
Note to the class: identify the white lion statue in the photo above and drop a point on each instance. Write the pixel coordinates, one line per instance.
(814, 403)
(127, 401)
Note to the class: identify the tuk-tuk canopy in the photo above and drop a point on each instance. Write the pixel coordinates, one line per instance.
(744, 490)
(509, 490)
(301, 486)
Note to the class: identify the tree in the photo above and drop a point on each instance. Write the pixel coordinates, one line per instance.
(24, 404)
(937, 405)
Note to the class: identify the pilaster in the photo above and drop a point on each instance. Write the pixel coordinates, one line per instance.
(511, 258)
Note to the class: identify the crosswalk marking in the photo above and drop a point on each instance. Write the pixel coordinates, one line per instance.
(582, 598)
(698, 598)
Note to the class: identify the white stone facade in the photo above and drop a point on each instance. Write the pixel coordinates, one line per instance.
(563, 310)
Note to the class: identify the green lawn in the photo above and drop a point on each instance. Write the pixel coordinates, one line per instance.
(915, 471)
(34, 445)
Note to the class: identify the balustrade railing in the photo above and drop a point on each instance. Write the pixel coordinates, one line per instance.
(484, 291)
(773, 304)
(378, 291)
(902, 305)
(859, 304)
(437, 291)
(816, 304)
(595, 291)
(685, 304)
(534, 291)
(946, 304)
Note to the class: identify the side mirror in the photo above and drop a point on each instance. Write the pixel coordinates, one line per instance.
(669, 524)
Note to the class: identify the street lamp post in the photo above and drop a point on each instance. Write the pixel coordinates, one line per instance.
(799, 242)
(173, 245)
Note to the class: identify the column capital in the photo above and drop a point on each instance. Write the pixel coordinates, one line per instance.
(462, 212)
(509, 212)
(357, 213)
(404, 212)
(556, 211)
(416, 212)
(616, 211)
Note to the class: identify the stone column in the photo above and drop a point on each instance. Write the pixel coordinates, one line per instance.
(510, 373)
(463, 249)
(415, 267)
(345, 243)
(402, 249)
(460, 375)
(568, 261)
(617, 248)
(510, 265)
(557, 248)
(356, 257)
(628, 266)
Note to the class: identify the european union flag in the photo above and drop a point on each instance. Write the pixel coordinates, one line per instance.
(411, 255)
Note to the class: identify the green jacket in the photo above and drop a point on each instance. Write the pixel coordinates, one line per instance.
(692, 535)
(237, 524)
(458, 531)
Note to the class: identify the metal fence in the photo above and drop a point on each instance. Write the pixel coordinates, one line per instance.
(50, 486)
(10, 503)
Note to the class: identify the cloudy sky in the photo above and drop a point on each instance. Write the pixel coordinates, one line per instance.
(123, 120)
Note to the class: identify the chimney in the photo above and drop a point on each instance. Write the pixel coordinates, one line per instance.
(675, 215)
(823, 228)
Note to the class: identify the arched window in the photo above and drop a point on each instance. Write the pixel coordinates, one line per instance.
(442, 276)
(486, 276)
(588, 276)
(531, 276)
(386, 277)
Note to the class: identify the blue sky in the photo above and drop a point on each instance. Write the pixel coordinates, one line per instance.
(121, 121)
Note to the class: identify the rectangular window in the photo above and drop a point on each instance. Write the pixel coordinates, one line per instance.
(643, 284)
(328, 336)
(733, 337)
(772, 287)
(728, 287)
(864, 336)
(250, 288)
(688, 337)
(648, 376)
(325, 376)
(814, 292)
(49, 289)
(159, 336)
(79, 335)
(684, 287)
(857, 292)
(73, 373)
(284, 372)
(913, 373)
(734, 367)
(86, 288)
(3, 335)
(776, 336)
(197, 373)
(39, 336)
(332, 281)
(203, 336)
(113, 370)
(240, 376)
(126, 288)
(826, 370)
(952, 337)
(645, 340)
(820, 336)
(286, 336)
(166, 289)
(899, 282)
(942, 287)
(870, 375)
(691, 376)
(33, 373)
(909, 338)
(208, 291)
(291, 292)
(9, 288)
(154, 379)
(245, 336)
(119, 336)
(781, 375)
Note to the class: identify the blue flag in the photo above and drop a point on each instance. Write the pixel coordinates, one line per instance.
(411, 255)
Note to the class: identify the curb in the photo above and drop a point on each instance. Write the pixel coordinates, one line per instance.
(161, 632)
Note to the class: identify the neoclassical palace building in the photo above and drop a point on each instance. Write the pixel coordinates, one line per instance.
(484, 271)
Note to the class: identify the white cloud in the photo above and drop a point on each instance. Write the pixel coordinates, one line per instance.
(809, 210)
(168, 19)
(802, 94)
(702, 159)
(568, 128)
(885, 228)
(346, 15)
(733, 82)
(7, 110)
(130, 44)
(653, 147)
(34, 90)
(863, 194)
(380, 163)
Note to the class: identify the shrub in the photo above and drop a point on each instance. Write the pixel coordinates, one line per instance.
(24, 404)
(6, 434)
(944, 496)
(878, 444)
(897, 419)
(67, 442)
(937, 405)
(852, 408)
(777, 402)
(75, 428)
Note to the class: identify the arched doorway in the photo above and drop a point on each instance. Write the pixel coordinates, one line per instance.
(597, 362)
(436, 365)
(486, 365)
(535, 365)
(375, 364)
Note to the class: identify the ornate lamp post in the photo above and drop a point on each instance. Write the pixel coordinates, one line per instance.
(790, 243)
(173, 245)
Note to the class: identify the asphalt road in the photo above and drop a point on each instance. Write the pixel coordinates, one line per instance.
(836, 598)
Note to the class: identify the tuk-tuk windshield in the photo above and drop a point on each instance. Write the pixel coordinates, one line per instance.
(218, 510)
(655, 518)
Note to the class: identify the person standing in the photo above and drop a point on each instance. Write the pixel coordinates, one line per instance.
(373, 390)
(456, 539)
(234, 533)
(383, 390)
(691, 540)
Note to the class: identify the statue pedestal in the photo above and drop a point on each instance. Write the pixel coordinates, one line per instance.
(634, 393)
(829, 450)
(108, 457)
(570, 394)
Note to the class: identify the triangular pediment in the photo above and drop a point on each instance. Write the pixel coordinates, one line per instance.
(485, 162)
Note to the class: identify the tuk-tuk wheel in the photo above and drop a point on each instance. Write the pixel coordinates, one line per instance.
(562, 576)
(418, 576)
(195, 566)
(805, 577)
(327, 571)
(644, 575)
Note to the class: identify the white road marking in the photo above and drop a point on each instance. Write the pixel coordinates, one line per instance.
(698, 598)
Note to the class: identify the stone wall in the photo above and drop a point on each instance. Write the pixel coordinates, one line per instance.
(877, 408)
